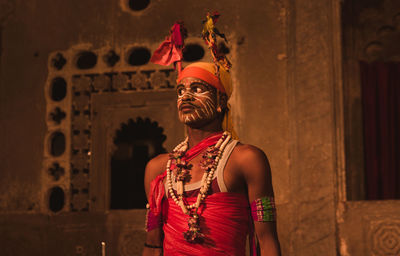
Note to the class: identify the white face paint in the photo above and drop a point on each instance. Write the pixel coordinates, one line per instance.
(196, 101)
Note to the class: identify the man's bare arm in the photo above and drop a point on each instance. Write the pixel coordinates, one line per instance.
(257, 173)
(154, 237)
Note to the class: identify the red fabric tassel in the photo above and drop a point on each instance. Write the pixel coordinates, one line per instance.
(170, 51)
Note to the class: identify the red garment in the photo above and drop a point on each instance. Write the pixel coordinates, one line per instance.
(224, 220)
(224, 217)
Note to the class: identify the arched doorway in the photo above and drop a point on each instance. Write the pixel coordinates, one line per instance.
(136, 142)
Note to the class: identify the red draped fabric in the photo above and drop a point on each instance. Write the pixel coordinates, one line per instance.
(381, 116)
(202, 145)
(224, 219)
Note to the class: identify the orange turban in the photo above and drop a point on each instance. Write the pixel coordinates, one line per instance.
(206, 72)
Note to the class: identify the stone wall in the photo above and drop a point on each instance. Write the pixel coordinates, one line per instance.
(286, 82)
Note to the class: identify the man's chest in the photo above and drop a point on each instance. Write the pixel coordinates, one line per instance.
(228, 171)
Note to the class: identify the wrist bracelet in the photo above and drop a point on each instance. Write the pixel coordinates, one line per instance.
(153, 246)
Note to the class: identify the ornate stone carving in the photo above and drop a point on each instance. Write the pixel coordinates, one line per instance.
(120, 81)
(80, 141)
(82, 83)
(111, 58)
(139, 81)
(80, 122)
(385, 237)
(378, 34)
(80, 202)
(129, 242)
(374, 50)
(172, 76)
(79, 181)
(80, 161)
(80, 102)
(58, 62)
(102, 83)
(158, 80)
(57, 115)
(56, 171)
(72, 113)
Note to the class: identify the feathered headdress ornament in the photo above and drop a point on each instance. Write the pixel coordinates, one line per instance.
(209, 34)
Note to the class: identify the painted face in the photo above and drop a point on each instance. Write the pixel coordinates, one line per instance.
(197, 101)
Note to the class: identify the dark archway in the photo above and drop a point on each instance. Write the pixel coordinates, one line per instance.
(137, 141)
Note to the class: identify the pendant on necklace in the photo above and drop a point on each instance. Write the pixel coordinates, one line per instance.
(193, 235)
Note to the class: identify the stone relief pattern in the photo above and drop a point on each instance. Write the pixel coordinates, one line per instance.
(384, 237)
(131, 241)
(72, 113)
(380, 32)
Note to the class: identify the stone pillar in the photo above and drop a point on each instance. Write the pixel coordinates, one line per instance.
(311, 85)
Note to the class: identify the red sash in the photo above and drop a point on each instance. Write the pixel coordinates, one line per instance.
(224, 221)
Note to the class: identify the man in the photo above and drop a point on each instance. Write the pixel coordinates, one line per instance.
(201, 195)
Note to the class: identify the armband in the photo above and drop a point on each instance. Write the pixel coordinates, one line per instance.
(263, 209)
(152, 246)
(152, 221)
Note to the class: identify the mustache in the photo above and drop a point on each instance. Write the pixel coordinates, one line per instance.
(186, 104)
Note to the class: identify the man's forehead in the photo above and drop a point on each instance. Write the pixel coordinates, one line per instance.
(187, 81)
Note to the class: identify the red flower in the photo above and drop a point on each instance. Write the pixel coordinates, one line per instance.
(183, 172)
(193, 235)
(207, 164)
(183, 175)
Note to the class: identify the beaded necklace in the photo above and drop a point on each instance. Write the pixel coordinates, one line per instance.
(209, 164)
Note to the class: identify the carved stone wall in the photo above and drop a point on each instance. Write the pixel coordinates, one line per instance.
(385, 236)
(370, 33)
(285, 67)
(75, 77)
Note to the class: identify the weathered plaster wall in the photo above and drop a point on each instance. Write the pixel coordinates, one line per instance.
(283, 103)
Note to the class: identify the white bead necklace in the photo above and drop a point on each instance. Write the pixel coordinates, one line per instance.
(205, 181)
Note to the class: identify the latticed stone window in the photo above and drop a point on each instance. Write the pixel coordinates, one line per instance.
(77, 77)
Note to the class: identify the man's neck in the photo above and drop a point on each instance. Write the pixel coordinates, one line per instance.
(196, 135)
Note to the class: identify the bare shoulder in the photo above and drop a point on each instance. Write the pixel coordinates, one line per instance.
(155, 167)
(254, 167)
(243, 153)
(251, 160)
(157, 164)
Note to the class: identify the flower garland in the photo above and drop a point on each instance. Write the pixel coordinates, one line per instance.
(209, 164)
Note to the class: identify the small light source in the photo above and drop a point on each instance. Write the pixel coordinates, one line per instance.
(103, 248)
